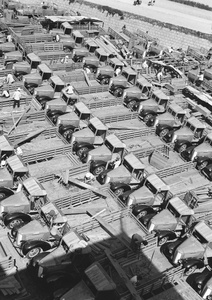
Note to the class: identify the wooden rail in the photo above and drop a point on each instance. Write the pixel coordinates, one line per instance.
(100, 104)
(119, 118)
(92, 89)
(131, 134)
(175, 169)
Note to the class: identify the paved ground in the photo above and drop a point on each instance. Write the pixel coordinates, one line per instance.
(167, 11)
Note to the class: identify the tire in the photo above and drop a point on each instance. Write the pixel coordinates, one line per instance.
(33, 252)
(131, 104)
(105, 81)
(147, 118)
(119, 192)
(141, 214)
(98, 170)
(3, 196)
(67, 50)
(202, 165)
(118, 92)
(14, 223)
(68, 134)
(162, 241)
(14, 230)
(182, 148)
(163, 133)
(190, 270)
(82, 150)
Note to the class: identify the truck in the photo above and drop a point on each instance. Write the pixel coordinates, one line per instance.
(191, 133)
(148, 109)
(20, 69)
(118, 84)
(192, 251)
(106, 72)
(12, 57)
(133, 96)
(201, 282)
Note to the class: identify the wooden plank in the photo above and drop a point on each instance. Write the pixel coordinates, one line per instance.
(87, 186)
(19, 119)
(29, 137)
(122, 275)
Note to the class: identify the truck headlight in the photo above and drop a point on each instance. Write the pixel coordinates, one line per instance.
(74, 53)
(5, 56)
(110, 83)
(47, 106)
(40, 272)
(24, 79)
(174, 138)
(140, 108)
(35, 93)
(194, 156)
(83, 60)
(1, 209)
(156, 122)
(97, 73)
(13, 67)
(19, 239)
(124, 94)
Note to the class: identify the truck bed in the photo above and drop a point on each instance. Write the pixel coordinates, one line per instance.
(41, 143)
(144, 142)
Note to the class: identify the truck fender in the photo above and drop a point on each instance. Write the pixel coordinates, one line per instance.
(63, 128)
(30, 85)
(148, 112)
(77, 146)
(29, 245)
(120, 185)
(179, 143)
(52, 113)
(170, 235)
(139, 208)
(96, 164)
(5, 192)
(9, 217)
(43, 98)
(188, 263)
(199, 160)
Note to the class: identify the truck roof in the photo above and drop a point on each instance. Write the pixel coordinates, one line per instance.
(99, 278)
(177, 109)
(91, 42)
(134, 161)
(160, 94)
(57, 80)
(16, 164)
(44, 68)
(80, 106)
(4, 144)
(144, 81)
(66, 25)
(33, 187)
(77, 33)
(205, 231)
(116, 61)
(130, 71)
(101, 52)
(115, 141)
(181, 207)
(97, 124)
(196, 123)
(157, 182)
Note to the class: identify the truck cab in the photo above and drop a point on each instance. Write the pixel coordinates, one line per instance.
(33, 60)
(131, 171)
(100, 157)
(191, 252)
(70, 122)
(91, 45)
(133, 96)
(153, 192)
(70, 99)
(172, 119)
(20, 69)
(171, 222)
(12, 57)
(14, 168)
(101, 55)
(190, 134)
(79, 53)
(67, 28)
(34, 80)
(201, 154)
(91, 62)
(106, 72)
(77, 36)
(87, 138)
(149, 109)
(38, 235)
(28, 200)
(95, 284)
(118, 84)
(202, 283)
(47, 92)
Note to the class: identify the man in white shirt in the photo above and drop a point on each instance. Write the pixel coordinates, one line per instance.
(89, 178)
(69, 89)
(10, 79)
(17, 98)
(118, 71)
(5, 93)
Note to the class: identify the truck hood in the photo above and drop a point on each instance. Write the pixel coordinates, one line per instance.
(166, 119)
(142, 195)
(191, 247)
(184, 134)
(33, 76)
(18, 199)
(53, 258)
(5, 145)
(164, 220)
(33, 227)
(45, 88)
(120, 174)
(105, 69)
(83, 135)
(203, 148)
(100, 153)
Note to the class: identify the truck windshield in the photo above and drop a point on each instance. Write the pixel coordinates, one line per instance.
(151, 187)
(173, 210)
(96, 131)
(199, 237)
(208, 141)
(109, 146)
(137, 173)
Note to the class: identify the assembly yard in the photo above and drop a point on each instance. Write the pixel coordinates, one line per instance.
(105, 175)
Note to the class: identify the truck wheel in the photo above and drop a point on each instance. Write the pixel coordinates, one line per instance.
(98, 170)
(34, 252)
(119, 192)
(3, 196)
(68, 134)
(162, 241)
(202, 165)
(131, 104)
(104, 81)
(147, 118)
(141, 214)
(118, 92)
(190, 270)
(163, 132)
(182, 148)
(81, 151)
(67, 50)
(14, 223)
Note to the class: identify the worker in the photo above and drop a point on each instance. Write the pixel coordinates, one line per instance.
(17, 98)
(118, 71)
(89, 178)
(116, 161)
(70, 89)
(18, 151)
(200, 78)
(5, 93)
(160, 75)
(57, 38)
(145, 67)
(135, 279)
(136, 242)
(10, 79)
(9, 38)
(3, 161)
(87, 70)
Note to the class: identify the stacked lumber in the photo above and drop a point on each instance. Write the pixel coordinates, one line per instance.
(10, 286)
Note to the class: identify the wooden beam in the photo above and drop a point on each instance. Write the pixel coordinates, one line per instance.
(122, 275)
(87, 79)
(87, 186)
(110, 229)
(82, 211)
(29, 137)
(19, 119)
